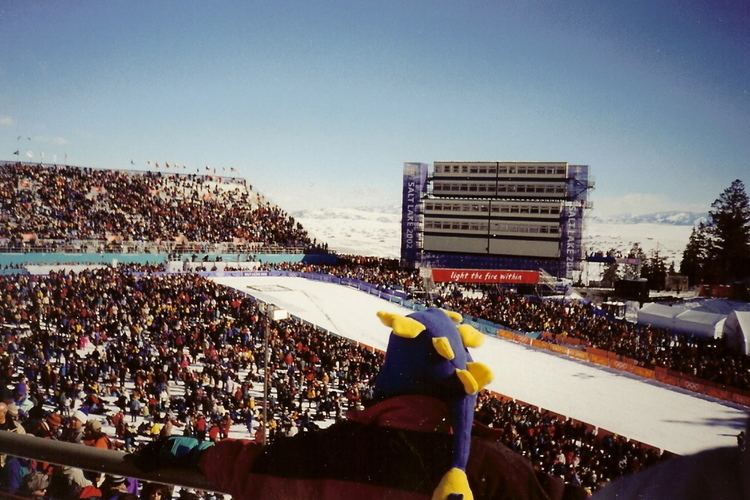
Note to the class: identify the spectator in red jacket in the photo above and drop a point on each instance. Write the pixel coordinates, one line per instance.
(399, 448)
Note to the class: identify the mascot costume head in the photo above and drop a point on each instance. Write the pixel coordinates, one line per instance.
(427, 354)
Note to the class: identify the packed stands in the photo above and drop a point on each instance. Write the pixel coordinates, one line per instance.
(149, 355)
(155, 355)
(82, 209)
(705, 358)
(563, 322)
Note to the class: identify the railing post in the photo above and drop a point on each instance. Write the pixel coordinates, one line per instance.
(98, 460)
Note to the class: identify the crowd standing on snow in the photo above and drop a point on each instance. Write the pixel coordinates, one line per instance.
(149, 356)
(110, 359)
(71, 203)
(650, 347)
(707, 359)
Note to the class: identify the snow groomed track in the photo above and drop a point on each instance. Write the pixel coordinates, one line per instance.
(639, 409)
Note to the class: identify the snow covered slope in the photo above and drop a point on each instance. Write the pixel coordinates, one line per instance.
(639, 409)
(377, 231)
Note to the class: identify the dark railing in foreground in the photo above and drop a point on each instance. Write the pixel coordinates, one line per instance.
(97, 460)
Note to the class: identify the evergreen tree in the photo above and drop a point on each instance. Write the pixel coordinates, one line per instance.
(695, 256)
(657, 271)
(611, 273)
(729, 222)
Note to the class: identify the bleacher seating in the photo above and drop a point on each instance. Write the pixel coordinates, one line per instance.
(45, 207)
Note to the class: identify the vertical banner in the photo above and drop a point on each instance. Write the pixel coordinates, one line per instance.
(414, 184)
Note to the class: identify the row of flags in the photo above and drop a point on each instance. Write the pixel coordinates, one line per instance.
(30, 155)
(176, 166)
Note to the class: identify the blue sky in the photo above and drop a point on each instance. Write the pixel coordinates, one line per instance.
(321, 102)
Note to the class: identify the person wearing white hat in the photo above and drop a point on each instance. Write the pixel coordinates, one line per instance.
(74, 430)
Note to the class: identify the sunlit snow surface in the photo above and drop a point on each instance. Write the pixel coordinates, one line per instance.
(630, 406)
(377, 232)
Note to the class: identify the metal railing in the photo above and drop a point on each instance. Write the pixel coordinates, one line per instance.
(97, 460)
(102, 246)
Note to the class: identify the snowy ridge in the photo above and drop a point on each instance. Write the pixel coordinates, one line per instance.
(360, 231)
(376, 231)
(673, 217)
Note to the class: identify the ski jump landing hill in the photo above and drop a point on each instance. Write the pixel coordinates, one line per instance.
(640, 409)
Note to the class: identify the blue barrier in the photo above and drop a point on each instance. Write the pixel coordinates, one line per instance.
(13, 271)
(56, 258)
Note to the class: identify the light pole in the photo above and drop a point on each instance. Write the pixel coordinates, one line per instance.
(273, 313)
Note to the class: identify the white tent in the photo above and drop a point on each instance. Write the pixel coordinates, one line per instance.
(700, 323)
(718, 306)
(737, 331)
(659, 315)
(703, 318)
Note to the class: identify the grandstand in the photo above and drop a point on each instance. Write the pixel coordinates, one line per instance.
(79, 209)
(190, 349)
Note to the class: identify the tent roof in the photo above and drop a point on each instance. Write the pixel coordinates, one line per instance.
(660, 310)
(718, 306)
(701, 323)
(704, 318)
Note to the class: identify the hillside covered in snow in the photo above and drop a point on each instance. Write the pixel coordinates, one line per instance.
(377, 231)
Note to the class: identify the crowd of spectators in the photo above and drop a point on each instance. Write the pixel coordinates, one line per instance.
(158, 355)
(385, 274)
(65, 204)
(651, 347)
(562, 446)
(148, 356)
(113, 358)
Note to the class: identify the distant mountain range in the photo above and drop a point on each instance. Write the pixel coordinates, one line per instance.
(675, 218)
(377, 230)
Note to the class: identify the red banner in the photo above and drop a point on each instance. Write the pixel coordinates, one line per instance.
(485, 276)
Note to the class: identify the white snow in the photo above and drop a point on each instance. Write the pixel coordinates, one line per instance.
(636, 408)
(377, 231)
(357, 231)
(669, 239)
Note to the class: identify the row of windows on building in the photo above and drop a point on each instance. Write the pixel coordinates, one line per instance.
(489, 188)
(500, 169)
(483, 208)
(495, 227)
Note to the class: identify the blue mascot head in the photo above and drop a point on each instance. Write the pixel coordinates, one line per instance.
(427, 354)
